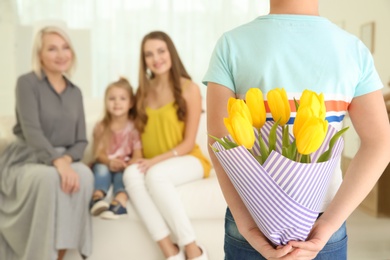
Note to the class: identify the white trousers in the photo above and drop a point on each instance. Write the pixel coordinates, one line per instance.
(156, 200)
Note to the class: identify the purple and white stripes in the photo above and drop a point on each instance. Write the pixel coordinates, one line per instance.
(282, 196)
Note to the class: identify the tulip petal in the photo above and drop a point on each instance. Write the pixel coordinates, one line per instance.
(255, 102)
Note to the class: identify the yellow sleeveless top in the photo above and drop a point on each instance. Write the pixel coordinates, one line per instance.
(164, 131)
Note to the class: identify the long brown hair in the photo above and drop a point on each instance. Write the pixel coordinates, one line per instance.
(103, 133)
(176, 72)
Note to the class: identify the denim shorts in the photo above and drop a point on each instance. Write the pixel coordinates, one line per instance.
(237, 248)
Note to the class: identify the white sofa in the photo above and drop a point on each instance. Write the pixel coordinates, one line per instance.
(127, 238)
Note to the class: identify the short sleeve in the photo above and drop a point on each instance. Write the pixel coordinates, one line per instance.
(369, 79)
(220, 69)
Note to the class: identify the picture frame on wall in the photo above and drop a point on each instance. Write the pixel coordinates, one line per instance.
(367, 35)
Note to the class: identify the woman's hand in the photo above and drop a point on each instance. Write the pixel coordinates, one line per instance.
(116, 165)
(145, 164)
(70, 182)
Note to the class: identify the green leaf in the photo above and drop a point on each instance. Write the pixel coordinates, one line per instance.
(326, 155)
(215, 150)
(221, 142)
(272, 137)
(286, 137)
(264, 152)
(285, 151)
(232, 144)
(292, 151)
(296, 104)
(259, 159)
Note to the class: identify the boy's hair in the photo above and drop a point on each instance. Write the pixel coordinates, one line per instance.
(176, 72)
(103, 133)
(37, 48)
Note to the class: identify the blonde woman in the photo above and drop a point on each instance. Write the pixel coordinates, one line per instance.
(44, 188)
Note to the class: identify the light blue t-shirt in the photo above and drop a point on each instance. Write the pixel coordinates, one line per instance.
(296, 52)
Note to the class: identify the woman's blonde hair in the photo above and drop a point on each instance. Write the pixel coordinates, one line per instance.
(176, 72)
(38, 44)
(104, 133)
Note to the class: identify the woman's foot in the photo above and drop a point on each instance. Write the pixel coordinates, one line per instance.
(195, 252)
(179, 256)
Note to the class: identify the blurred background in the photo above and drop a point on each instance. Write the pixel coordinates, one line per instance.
(107, 36)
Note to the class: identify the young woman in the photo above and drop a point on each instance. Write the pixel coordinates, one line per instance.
(168, 113)
(44, 188)
(116, 145)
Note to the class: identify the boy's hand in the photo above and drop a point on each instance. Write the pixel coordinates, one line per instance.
(317, 239)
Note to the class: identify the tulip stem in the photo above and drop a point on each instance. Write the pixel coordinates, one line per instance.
(299, 157)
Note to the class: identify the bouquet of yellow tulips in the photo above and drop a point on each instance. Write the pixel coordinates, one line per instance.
(281, 177)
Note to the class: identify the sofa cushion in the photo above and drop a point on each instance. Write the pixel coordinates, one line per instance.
(203, 199)
(6, 134)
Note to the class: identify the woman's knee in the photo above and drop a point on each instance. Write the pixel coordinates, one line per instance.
(157, 180)
(133, 177)
(85, 174)
(154, 174)
(43, 178)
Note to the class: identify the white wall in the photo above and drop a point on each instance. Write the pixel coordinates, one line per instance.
(15, 48)
(7, 59)
(351, 15)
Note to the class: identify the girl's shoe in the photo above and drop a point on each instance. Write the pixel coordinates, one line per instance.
(114, 211)
(98, 206)
(203, 256)
(178, 256)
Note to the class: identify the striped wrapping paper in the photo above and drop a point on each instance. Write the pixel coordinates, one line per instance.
(284, 197)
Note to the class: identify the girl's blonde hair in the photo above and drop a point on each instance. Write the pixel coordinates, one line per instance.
(103, 134)
(37, 48)
(176, 72)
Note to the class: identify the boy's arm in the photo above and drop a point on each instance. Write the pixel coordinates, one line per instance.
(387, 101)
(369, 118)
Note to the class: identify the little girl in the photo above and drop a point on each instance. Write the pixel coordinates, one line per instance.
(116, 145)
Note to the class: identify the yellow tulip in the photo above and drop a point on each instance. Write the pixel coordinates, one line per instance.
(311, 135)
(239, 106)
(304, 113)
(230, 103)
(255, 102)
(240, 129)
(315, 101)
(279, 105)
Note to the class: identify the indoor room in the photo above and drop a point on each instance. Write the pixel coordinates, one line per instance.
(107, 36)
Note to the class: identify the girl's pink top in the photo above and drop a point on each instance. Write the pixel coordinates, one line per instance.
(124, 142)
